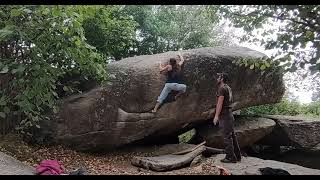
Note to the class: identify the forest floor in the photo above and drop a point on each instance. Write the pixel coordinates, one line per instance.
(117, 162)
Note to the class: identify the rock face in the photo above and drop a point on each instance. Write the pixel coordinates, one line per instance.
(251, 165)
(11, 166)
(248, 131)
(118, 113)
(299, 132)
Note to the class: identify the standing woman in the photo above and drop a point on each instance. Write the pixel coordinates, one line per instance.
(173, 82)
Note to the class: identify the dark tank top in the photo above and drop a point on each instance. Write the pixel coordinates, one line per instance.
(174, 77)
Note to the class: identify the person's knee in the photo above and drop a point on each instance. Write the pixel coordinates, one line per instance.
(166, 87)
(183, 88)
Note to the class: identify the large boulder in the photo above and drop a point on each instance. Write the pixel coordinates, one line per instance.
(118, 113)
(248, 130)
(300, 132)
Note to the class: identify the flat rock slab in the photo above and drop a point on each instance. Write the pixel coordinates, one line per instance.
(171, 148)
(251, 165)
(11, 166)
(166, 162)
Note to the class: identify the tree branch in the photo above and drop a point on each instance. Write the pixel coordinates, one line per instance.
(255, 13)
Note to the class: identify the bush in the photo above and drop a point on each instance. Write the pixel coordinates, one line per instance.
(285, 107)
(40, 46)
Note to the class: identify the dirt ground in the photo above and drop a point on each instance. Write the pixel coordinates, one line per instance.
(111, 163)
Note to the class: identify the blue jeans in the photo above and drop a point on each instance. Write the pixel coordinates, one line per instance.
(168, 87)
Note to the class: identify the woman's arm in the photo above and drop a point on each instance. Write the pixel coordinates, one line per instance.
(165, 68)
(181, 59)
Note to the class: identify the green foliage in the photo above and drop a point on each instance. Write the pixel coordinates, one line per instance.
(186, 137)
(301, 28)
(171, 28)
(110, 31)
(261, 64)
(285, 107)
(40, 46)
(123, 31)
(312, 109)
(4, 109)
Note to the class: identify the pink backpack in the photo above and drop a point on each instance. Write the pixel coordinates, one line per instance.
(49, 167)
